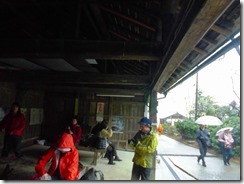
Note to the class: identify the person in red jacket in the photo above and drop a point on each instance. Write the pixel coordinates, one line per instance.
(64, 160)
(75, 130)
(13, 125)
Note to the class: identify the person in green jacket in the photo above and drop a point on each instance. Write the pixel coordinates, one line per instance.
(145, 143)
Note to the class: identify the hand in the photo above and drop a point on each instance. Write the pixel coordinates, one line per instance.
(45, 176)
(135, 141)
(129, 140)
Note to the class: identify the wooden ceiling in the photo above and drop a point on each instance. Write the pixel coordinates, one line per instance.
(115, 46)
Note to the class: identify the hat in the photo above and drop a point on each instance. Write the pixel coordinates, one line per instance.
(145, 121)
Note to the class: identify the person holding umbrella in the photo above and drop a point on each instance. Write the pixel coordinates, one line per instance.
(226, 140)
(202, 137)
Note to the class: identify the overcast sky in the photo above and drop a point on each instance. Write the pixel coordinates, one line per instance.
(219, 80)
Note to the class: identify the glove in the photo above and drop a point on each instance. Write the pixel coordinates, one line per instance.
(135, 141)
(129, 140)
(45, 177)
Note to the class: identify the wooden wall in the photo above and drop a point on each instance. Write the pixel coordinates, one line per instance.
(131, 113)
(10, 92)
(59, 108)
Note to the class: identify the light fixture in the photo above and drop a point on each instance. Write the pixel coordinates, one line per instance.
(91, 61)
(109, 95)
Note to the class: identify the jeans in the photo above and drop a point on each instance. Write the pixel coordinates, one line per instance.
(227, 154)
(203, 150)
(139, 172)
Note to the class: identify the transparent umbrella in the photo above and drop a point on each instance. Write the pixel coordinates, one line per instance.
(209, 120)
(223, 129)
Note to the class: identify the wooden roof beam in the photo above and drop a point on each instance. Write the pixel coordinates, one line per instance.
(221, 30)
(73, 77)
(128, 19)
(200, 51)
(148, 51)
(205, 19)
(210, 41)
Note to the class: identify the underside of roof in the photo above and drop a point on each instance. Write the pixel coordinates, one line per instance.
(117, 46)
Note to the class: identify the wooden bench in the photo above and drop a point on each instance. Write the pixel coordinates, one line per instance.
(96, 156)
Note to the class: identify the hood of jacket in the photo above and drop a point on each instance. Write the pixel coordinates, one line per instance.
(66, 141)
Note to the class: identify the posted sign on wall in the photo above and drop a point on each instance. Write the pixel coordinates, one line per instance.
(100, 110)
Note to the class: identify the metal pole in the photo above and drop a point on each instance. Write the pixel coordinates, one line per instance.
(196, 99)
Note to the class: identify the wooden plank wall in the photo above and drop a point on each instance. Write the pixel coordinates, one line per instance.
(131, 113)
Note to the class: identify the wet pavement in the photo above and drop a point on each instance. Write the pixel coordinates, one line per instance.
(174, 161)
(177, 161)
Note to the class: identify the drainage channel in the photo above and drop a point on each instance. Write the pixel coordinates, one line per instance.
(172, 171)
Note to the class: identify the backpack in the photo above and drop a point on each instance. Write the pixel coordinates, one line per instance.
(87, 173)
(93, 174)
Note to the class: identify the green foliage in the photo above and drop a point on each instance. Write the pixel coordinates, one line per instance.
(168, 129)
(187, 128)
(207, 106)
(230, 115)
(228, 122)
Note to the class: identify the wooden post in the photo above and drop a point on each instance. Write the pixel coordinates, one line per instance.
(153, 117)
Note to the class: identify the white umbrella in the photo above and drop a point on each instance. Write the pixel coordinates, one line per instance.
(223, 129)
(209, 120)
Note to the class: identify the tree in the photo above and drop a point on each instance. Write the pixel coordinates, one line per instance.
(206, 105)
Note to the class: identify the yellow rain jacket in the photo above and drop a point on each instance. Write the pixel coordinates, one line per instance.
(144, 150)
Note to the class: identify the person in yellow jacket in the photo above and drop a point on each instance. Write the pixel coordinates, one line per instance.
(145, 142)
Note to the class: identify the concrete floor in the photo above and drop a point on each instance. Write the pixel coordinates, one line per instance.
(174, 161)
(24, 167)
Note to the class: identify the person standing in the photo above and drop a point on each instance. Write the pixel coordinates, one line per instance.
(75, 130)
(13, 125)
(227, 140)
(202, 137)
(145, 143)
(160, 129)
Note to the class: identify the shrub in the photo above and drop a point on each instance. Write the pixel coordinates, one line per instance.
(187, 128)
